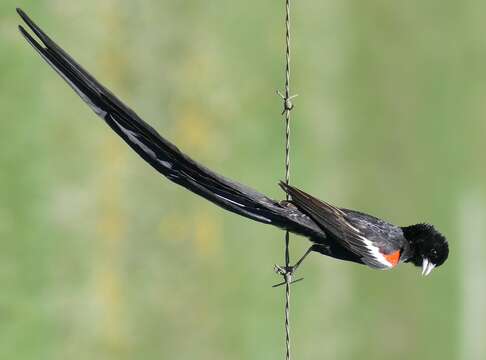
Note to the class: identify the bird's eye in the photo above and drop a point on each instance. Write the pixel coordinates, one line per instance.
(433, 254)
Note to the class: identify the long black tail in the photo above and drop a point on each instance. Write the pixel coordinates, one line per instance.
(160, 153)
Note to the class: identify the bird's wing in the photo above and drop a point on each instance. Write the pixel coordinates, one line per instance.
(160, 153)
(336, 221)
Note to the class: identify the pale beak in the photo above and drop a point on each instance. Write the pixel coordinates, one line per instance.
(427, 267)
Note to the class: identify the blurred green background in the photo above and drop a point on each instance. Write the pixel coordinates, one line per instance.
(101, 258)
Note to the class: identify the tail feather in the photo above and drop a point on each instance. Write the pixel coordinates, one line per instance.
(162, 155)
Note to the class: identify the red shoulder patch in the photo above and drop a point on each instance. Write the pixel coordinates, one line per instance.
(393, 258)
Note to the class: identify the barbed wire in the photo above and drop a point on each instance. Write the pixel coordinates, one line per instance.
(287, 108)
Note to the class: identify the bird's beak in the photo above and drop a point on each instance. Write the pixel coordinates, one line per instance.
(427, 267)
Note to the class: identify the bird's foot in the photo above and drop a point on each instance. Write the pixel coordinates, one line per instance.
(287, 272)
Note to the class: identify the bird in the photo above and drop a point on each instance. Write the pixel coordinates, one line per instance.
(335, 232)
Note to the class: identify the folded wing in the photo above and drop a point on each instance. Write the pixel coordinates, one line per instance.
(343, 228)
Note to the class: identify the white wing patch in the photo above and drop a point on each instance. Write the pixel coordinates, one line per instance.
(376, 253)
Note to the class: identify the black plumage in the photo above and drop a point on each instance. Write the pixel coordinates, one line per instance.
(339, 233)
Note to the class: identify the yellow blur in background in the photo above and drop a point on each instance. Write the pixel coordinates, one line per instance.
(102, 258)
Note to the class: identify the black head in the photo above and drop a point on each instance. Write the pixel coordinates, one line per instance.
(429, 247)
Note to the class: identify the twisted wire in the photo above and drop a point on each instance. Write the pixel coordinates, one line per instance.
(287, 108)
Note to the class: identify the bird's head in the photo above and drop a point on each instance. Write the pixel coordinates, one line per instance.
(429, 247)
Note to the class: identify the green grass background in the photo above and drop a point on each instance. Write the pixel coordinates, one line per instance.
(101, 258)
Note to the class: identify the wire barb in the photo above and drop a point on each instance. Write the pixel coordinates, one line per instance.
(287, 104)
(287, 273)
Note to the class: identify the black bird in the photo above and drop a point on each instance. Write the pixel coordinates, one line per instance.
(340, 233)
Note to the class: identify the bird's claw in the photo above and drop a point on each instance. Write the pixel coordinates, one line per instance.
(287, 272)
(284, 270)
